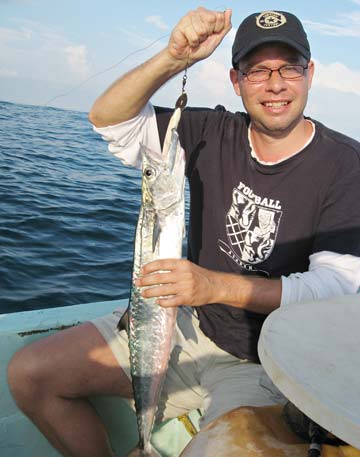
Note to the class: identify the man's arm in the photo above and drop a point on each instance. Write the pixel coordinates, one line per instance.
(194, 38)
(181, 282)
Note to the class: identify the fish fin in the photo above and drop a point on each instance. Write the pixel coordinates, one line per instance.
(123, 323)
(149, 452)
(156, 233)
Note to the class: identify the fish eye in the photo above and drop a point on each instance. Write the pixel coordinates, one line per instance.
(149, 172)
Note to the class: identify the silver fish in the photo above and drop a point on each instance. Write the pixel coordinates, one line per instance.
(159, 234)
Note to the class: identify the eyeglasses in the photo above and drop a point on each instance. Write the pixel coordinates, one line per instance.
(286, 72)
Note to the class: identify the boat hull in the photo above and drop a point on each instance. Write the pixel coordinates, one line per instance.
(20, 438)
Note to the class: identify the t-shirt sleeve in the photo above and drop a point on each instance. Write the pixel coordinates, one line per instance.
(329, 275)
(339, 223)
(125, 138)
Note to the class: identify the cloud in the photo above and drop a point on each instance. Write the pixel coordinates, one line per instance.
(335, 109)
(141, 46)
(211, 75)
(40, 53)
(230, 37)
(157, 21)
(136, 49)
(137, 40)
(12, 36)
(334, 30)
(346, 25)
(77, 61)
(6, 72)
(337, 76)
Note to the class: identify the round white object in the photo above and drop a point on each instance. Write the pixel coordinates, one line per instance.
(311, 351)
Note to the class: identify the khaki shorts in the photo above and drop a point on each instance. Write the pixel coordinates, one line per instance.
(200, 374)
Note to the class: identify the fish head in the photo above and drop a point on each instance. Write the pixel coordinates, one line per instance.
(162, 178)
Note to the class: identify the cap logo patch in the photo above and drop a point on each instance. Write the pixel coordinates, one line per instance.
(270, 20)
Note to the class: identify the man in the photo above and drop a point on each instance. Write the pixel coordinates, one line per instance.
(274, 221)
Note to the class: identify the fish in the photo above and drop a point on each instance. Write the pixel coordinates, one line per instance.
(159, 234)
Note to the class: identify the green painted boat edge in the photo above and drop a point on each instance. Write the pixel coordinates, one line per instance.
(20, 438)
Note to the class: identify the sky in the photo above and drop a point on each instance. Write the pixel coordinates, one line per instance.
(65, 54)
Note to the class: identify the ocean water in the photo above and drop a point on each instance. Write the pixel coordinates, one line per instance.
(68, 211)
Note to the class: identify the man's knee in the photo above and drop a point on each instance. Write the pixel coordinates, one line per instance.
(26, 376)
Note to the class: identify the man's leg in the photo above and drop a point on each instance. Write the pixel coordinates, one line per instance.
(50, 380)
(202, 375)
(230, 384)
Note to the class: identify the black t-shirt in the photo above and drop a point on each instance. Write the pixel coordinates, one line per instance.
(251, 218)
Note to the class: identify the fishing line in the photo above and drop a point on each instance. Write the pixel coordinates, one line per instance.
(78, 86)
(106, 70)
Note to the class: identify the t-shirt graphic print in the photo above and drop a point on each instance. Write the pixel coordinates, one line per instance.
(252, 224)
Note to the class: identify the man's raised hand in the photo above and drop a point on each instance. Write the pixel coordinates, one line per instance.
(198, 34)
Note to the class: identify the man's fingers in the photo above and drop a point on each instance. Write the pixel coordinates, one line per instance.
(158, 291)
(217, 21)
(189, 29)
(214, 20)
(220, 21)
(158, 265)
(154, 279)
(177, 281)
(179, 40)
(197, 28)
(191, 35)
(170, 302)
(207, 23)
(202, 25)
(227, 18)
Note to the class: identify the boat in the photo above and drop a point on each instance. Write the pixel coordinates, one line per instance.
(20, 438)
(317, 372)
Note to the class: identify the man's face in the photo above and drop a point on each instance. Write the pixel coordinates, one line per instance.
(275, 106)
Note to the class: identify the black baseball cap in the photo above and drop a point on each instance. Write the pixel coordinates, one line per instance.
(267, 27)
